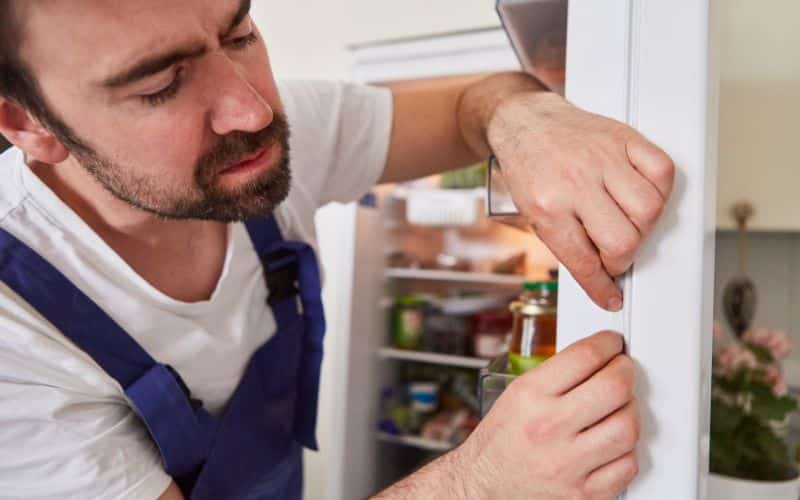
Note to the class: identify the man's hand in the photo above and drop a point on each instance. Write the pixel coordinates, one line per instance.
(566, 429)
(591, 187)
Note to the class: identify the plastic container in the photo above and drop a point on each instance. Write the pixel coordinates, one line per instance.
(494, 379)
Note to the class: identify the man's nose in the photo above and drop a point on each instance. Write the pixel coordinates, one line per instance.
(237, 106)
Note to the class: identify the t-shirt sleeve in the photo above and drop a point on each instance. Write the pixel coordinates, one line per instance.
(340, 137)
(66, 430)
(58, 445)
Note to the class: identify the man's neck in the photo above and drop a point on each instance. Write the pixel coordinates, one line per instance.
(181, 258)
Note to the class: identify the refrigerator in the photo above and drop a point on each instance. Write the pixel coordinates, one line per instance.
(650, 64)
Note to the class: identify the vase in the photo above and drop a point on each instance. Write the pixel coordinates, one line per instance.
(731, 488)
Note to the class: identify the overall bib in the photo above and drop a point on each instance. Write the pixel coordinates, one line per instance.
(254, 449)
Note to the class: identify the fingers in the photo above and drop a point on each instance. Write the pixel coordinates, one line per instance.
(568, 241)
(577, 363)
(610, 480)
(602, 394)
(636, 196)
(612, 232)
(653, 163)
(611, 439)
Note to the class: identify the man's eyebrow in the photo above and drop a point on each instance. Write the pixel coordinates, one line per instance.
(238, 17)
(153, 65)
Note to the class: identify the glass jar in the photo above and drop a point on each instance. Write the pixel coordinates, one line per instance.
(408, 322)
(533, 335)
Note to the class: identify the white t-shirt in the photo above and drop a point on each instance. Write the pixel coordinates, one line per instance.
(66, 428)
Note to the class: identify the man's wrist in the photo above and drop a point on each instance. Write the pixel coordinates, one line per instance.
(448, 478)
(480, 100)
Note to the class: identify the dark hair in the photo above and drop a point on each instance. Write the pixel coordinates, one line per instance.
(17, 83)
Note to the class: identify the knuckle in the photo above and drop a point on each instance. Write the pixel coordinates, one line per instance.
(625, 365)
(626, 434)
(629, 469)
(546, 205)
(590, 354)
(651, 209)
(586, 266)
(623, 247)
(620, 388)
(664, 167)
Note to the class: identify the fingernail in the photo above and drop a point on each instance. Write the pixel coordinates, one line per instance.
(615, 304)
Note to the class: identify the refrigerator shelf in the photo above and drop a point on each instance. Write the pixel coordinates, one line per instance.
(433, 358)
(455, 276)
(416, 442)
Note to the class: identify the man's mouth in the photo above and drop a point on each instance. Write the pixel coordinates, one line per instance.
(252, 162)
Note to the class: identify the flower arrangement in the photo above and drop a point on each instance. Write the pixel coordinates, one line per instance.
(749, 403)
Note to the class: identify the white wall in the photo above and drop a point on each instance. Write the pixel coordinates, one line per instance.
(759, 109)
(309, 39)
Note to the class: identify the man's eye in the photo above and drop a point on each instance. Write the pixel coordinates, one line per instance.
(244, 41)
(167, 92)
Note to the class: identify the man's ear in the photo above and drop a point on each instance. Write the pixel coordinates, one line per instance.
(25, 132)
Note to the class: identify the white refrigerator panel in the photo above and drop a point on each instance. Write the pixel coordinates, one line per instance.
(652, 64)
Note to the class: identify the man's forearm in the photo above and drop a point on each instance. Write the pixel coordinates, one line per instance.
(446, 478)
(439, 125)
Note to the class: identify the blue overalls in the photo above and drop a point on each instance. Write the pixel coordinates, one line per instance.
(252, 451)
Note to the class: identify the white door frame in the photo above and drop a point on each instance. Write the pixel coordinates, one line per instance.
(653, 64)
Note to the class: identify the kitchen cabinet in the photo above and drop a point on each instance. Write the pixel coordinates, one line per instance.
(759, 109)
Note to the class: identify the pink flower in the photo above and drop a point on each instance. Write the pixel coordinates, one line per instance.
(732, 357)
(774, 378)
(719, 334)
(775, 341)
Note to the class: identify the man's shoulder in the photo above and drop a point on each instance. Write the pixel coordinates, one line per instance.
(12, 193)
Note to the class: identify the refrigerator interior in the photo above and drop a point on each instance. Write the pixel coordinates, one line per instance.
(414, 259)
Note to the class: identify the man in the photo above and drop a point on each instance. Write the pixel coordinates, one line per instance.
(160, 321)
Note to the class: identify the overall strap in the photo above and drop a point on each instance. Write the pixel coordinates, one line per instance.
(292, 274)
(156, 391)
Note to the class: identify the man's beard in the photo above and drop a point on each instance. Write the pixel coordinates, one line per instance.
(204, 200)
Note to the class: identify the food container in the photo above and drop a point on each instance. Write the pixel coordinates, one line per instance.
(408, 322)
(490, 333)
(424, 396)
(446, 334)
(533, 336)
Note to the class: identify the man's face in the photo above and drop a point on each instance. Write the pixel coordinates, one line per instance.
(171, 105)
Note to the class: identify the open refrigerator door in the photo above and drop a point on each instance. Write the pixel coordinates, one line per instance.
(537, 31)
(621, 59)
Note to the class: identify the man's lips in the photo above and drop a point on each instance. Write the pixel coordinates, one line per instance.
(251, 161)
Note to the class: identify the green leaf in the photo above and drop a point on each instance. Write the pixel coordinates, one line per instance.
(725, 418)
(762, 353)
(767, 406)
(743, 446)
